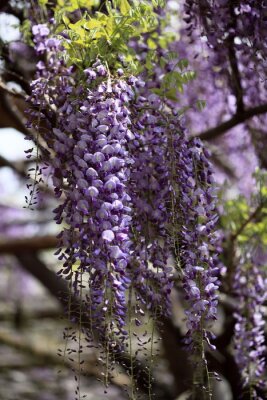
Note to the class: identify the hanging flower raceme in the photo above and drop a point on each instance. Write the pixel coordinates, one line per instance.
(99, 170)
(150, 194)
(199, 237)
(133, 192)
(91, 167)
(193, 219)
(186, 212)
(99, 208)
(249, 348)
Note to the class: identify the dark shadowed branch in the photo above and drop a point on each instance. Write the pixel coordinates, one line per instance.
(16, 168)
(10, 114)
(237, 119)
(27, 245)
(235, 72)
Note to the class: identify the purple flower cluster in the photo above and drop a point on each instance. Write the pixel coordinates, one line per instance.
(91, 168)
(149, 177)
(99, 172)
(134, 191)
(186, 212)
(193, 219)
(249, 342)
(98, 208)
(220, 20)
(197, 205)
(44, 43)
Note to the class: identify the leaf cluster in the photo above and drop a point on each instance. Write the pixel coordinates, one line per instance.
(105, 35)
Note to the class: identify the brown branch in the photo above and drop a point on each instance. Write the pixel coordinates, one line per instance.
(238, 90)
(20, 171)
(13, 109)
(44, 357)
(25, 316)
(5, 88)
(177, 356)
(29, 244)
(232, 122)
(6, 163)
(40, 220)
(20, 344)
(12, 117)
(220, 360)
(236, 76)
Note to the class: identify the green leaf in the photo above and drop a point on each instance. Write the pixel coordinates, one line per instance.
(124, 7)
(66, 20)
(188, 76)
(162, 62)
(157, 91)
(172, 55)
(183, 64)
(201, 104)
(105, 35)
(151, 44)
(92, 24)
(171, 94)
(43, 3)
(159, 3)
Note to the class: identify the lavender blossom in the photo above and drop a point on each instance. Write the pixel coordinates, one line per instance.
(133, 192)
(249, 341)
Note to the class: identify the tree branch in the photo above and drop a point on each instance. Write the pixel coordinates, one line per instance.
(238, 90)
(13, 108)
(20, 171)
(232, 122)
(11, 115)
(236, 76)
(174, 351)
(6, 163)
(30, 244)
(5, 88)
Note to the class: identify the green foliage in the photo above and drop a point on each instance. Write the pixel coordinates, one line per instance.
(105, 35)
(26, 31)
(174, 81)
(247, 221)
(236, 211)
(104, 31)
(43, 3)
(72, 5)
